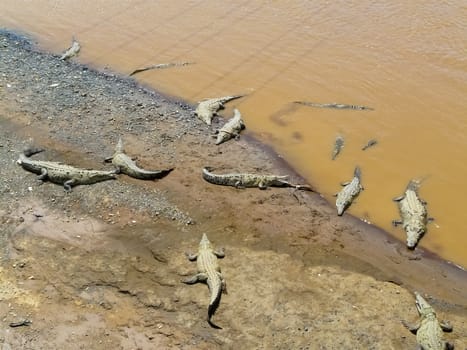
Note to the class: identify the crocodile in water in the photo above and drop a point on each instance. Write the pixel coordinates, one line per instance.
(127, 166)
(369, 144)
(338, 145)
(413, 214)
(429, 330)
(334, 105)
(62, 174)
(160, 66)
(209, 272)
(250, 180)
(351, 190)
(72, 51)
(207, 109)
(231, 129)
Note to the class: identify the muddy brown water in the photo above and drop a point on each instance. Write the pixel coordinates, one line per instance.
(405, 60)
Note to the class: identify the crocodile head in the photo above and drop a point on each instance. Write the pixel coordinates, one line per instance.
(222, 137)
(414, 231)
(341, 205)
(119, 148)
(204, 243)
(422, 305)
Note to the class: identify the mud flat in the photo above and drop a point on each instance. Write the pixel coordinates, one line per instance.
(100, 267)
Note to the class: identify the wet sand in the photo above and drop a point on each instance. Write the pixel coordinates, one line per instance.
(101, 266)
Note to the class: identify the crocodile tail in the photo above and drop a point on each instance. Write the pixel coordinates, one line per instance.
(28, 152)
(216, 291)
(211, 309)
(233, 97)
(164, 173)
(357, 172)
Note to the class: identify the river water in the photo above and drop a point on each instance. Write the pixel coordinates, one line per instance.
(408, 61)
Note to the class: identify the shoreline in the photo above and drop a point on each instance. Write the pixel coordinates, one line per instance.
(79, 124)
(279, 163)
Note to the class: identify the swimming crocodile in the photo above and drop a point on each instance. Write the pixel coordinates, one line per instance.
(209, 272)
(369, 144)
(60, 173)
(351, 190)
(413, 213)
(160, 66)
(429, 330)
(338, 145)
(72, 51)
(127, 166)
(208, 108)
(231, 129)
(334, 105)
(250, 180)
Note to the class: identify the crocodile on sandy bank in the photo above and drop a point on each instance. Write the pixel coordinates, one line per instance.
(72, 51)
(60, 173)
(231, 129)
(413, 213)
(334, 105)
(209, 272)
(351, 190)
(429, 330)
(127, 166)
(250, 180)
(208, 108)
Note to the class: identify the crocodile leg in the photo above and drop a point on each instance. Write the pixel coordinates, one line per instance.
(398, 199)
(262, 186)
(446, 326)
(412, 328)
(239, 185)
(200, 277)
(220, 253)
(223, 284)
(43, 175)
(67, 185)
(191, 257)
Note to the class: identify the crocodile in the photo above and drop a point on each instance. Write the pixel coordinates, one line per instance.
(231, 129)
(72, 51)
(351, 190)
(127, 166)
(429, 330)
(338, 145)
(62, 174)
(369, 144)
(413, 213)
(250, 180)
(209, 272)
(334, 105)
(208, 108)
(160, 66)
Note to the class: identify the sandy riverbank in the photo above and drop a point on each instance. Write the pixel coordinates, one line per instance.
(100, 267)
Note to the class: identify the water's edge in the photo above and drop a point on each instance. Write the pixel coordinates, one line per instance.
(279, 161)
